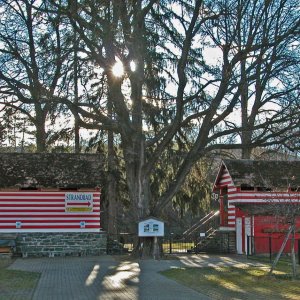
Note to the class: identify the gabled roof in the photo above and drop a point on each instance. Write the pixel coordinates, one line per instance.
(50, 170)
(263, 173)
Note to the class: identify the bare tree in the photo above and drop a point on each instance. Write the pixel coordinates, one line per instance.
(31, 58)
(166, 96)
(262, 35)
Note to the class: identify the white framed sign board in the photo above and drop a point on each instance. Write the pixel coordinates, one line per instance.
(151, 227)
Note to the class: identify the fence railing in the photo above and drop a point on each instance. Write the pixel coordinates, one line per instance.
(171, 244)
(269, 247)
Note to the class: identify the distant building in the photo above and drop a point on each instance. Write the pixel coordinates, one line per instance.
(253, 197)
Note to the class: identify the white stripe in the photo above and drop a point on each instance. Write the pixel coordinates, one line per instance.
(231, 223)
(231, 217)
(268, 195)
(54, 230)
(49, 222)
(21, 213)
(270, 201)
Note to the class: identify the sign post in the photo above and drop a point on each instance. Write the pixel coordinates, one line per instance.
(152, 228)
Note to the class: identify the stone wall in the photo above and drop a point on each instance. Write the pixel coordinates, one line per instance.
(52, 244)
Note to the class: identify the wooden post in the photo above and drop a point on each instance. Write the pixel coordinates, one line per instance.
(270, 247)
(299, 252)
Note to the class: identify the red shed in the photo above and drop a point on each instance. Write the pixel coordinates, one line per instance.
(254, 197)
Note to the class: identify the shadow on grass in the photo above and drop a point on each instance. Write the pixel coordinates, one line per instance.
(236, 283)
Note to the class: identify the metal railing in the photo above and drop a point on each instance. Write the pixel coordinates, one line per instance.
(269, 246)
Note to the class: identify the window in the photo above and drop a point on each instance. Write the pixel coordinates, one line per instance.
(247, 187)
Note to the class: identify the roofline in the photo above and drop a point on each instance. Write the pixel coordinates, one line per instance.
(219, 173)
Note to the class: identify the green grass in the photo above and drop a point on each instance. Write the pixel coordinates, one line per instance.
(237, 283)
(16, 284)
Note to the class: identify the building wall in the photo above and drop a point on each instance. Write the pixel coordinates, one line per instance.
(267, 232)
(49, 211)
(52, 223)
(50, 244)
(227, 214)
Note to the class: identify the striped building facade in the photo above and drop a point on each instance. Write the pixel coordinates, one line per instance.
(49, 211)
(255, 197)
(50, 203)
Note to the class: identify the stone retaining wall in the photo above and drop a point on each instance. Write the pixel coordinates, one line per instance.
(52, 244)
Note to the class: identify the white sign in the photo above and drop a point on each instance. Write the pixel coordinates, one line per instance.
(151, 227)
(78, 202)
(18, 224)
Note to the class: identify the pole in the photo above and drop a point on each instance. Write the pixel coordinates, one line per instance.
(270, 247)
(299, 252)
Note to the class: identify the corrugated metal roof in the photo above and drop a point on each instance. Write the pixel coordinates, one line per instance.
(51, 170)
(264, 173)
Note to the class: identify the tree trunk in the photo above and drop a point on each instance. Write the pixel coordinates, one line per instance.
(246, 133)
(293, 256)
(112, 227)
(40, 130)
(76, 117)
(281, 249)
(148, 247)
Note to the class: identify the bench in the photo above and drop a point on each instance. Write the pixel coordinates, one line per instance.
(7, 246)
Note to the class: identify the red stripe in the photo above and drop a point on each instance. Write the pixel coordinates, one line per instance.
(32, 200)
(50, 227)
(38, 210)
(264, 198)
(19, 217)
(38, 199)
(32, 194)
(78, 203)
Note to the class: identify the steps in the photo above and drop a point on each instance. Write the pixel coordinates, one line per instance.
(212, 240)
(218, 242)
(203, 225)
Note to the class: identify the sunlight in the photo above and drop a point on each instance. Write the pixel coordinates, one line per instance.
(118, 69)
(93, 275)
(125, 272)
(132, 66)
(126, 276)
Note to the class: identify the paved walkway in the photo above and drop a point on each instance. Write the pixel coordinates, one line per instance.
(91, 278)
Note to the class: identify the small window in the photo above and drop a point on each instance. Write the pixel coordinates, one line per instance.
(263, 189)
(68, 189)
(247, 187)
(295, 189)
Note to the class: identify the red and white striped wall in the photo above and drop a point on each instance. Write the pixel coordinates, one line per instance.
(255, 197)
(49, 211)
(225, 181)
(237, 196)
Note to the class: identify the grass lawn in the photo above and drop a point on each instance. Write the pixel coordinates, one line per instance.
(16, 284)
(237, 283)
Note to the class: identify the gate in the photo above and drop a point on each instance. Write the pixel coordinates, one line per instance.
(121, 243)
